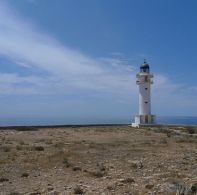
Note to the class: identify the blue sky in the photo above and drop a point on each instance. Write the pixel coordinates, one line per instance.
(74, 61)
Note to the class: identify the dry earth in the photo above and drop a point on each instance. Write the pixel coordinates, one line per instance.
(98, 160)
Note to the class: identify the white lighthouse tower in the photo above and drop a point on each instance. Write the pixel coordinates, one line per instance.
(144, 80)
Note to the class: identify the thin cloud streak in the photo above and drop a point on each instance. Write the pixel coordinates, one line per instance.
(23, 43)
(67, 70)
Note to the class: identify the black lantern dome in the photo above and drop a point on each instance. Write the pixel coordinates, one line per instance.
(145, 67)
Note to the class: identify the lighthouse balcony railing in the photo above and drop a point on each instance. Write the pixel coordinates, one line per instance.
(144, 74)
(142, 82)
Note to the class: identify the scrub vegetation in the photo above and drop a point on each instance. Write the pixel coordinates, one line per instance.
(99, 160)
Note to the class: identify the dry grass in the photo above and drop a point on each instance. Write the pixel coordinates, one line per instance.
(103, 159)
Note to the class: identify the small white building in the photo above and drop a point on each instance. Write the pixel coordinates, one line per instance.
(144, 81)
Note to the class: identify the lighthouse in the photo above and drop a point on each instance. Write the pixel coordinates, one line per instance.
(144, 79)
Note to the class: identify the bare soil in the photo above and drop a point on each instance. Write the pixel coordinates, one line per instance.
(98, 160)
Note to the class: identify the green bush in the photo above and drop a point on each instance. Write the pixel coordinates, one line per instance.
(25, 128)
(39, 148)
(66, 162)
(191, 130)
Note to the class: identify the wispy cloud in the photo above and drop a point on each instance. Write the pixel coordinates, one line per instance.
(27, 46)
(66, 69)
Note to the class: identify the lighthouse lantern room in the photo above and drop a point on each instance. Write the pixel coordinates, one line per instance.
(144, 81)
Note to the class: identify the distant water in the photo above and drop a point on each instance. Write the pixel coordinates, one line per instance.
(179, 120)
(185, 120)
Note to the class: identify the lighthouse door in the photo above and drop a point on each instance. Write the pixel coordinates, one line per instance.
(146, 119)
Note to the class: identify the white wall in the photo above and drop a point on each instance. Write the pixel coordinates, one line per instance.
(144, 96)
(144, 82)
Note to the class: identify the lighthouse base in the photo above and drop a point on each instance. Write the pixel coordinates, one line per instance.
(144, 120)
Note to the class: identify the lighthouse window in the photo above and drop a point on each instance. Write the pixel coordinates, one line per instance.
(146, 88)
(146, 102)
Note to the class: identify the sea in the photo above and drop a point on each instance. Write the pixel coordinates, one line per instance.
(180, 120)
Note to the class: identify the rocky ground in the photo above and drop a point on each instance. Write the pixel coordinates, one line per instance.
(98, 160)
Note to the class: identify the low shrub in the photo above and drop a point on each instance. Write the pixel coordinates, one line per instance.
(18, 147)
(39, 148)
(25, 175)
(6, 148)
(66, 162)
(14, 193)
(76, 168)
(78, 190)
(25, 128)
(191, 130)
(3, 179)
(98, 173)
